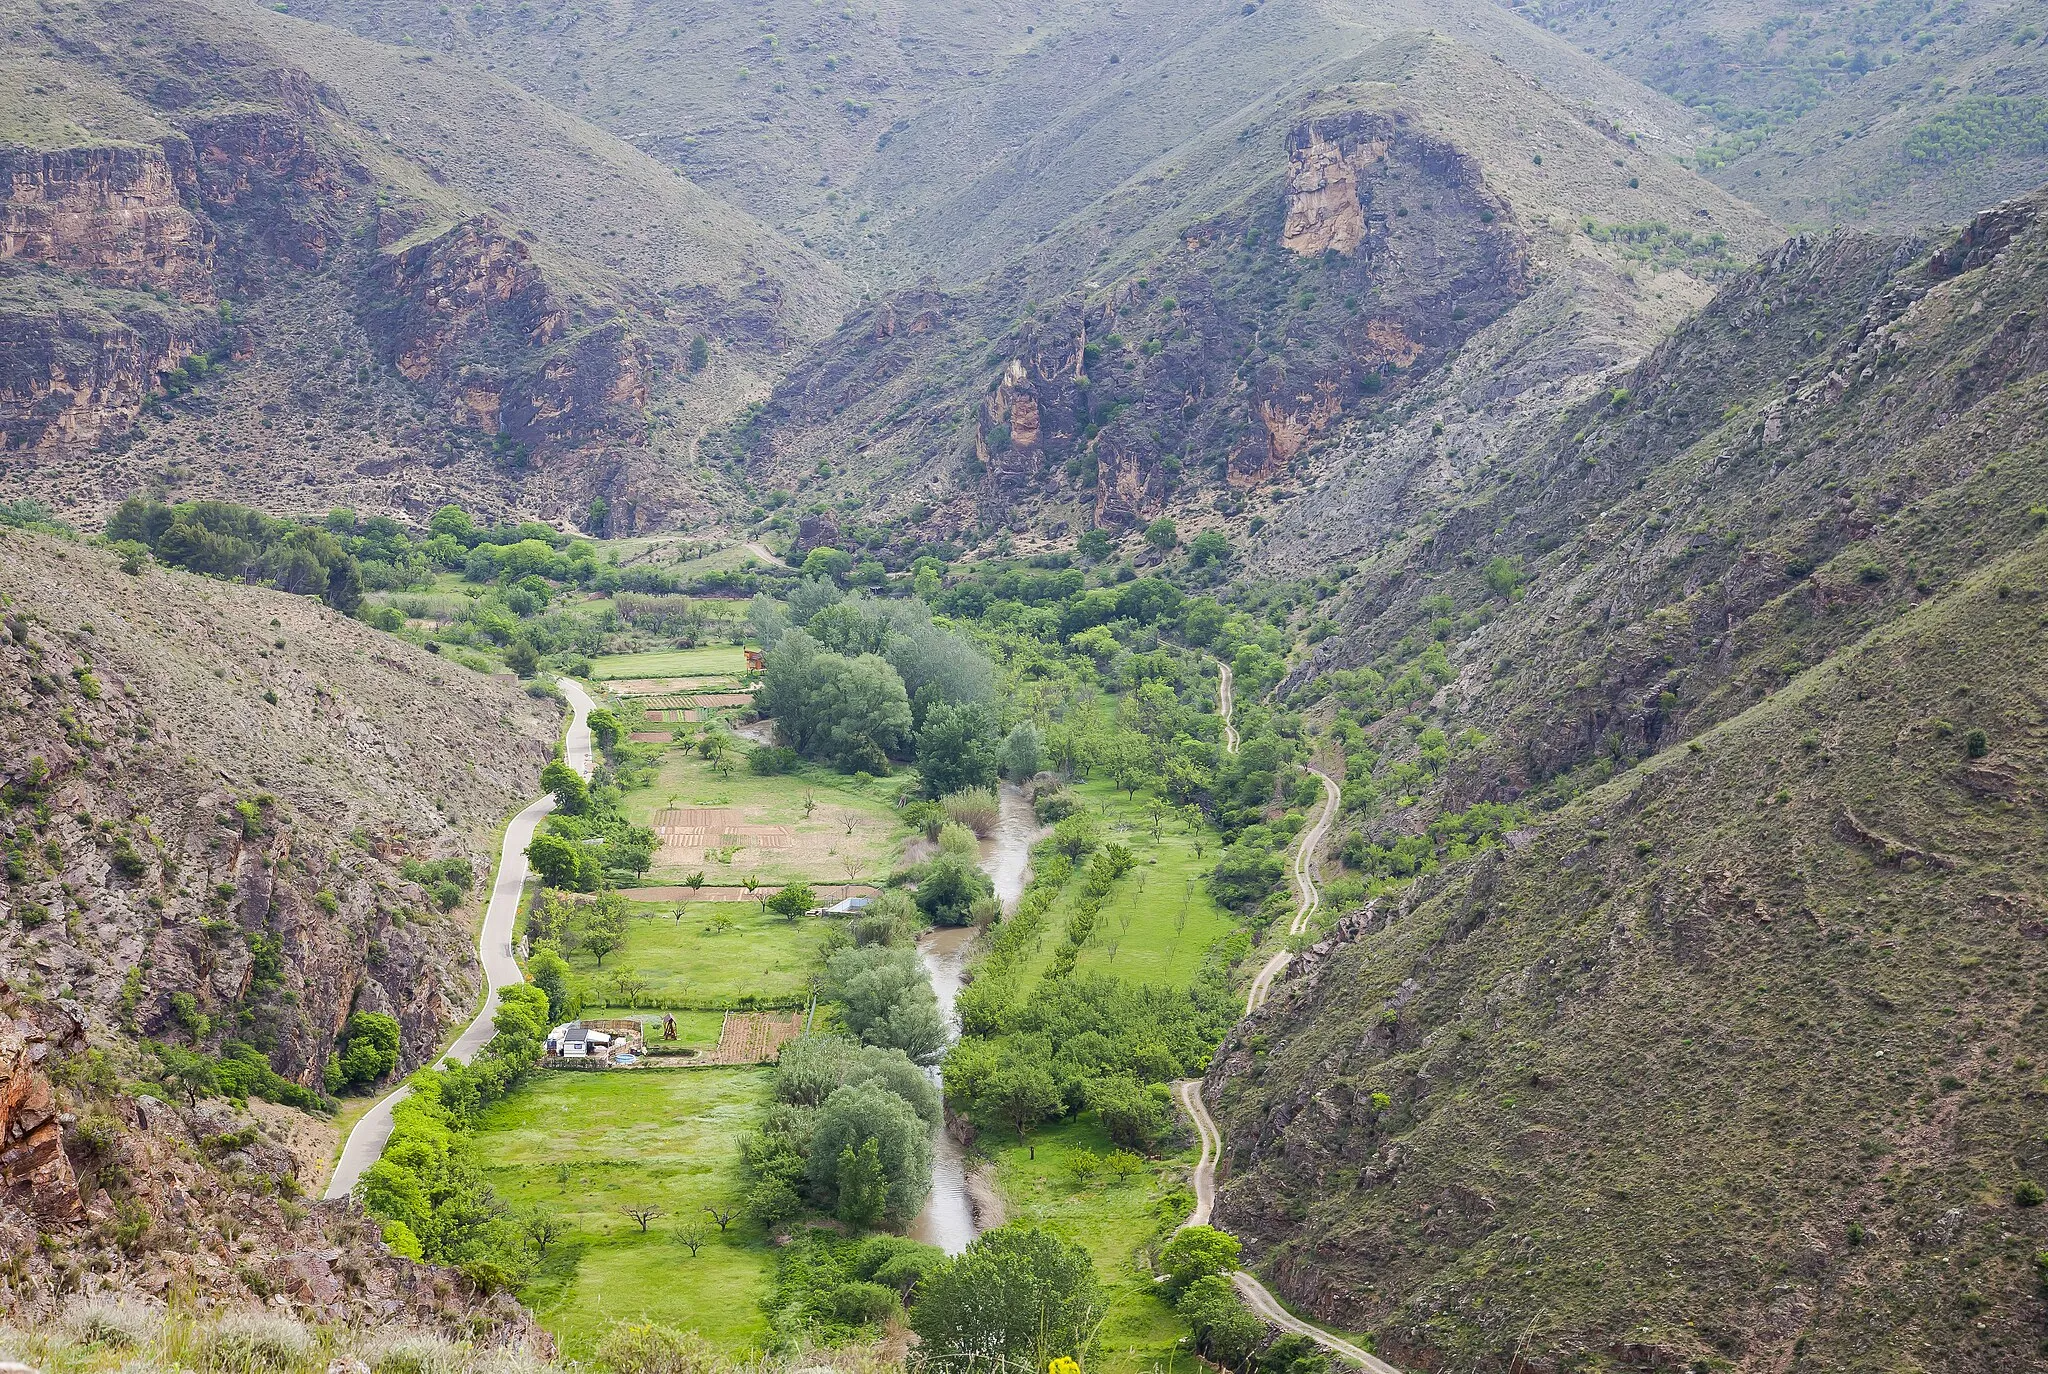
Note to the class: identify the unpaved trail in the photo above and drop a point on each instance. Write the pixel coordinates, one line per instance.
(1226, 706)
(493, 950)
(761, 551)
(1255, 1294)
(1302, 871)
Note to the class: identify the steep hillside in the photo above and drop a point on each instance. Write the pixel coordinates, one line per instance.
(1900, 114)
(208, 793)
(1733, 1063)
(1726, 1054)
(943, 140)
(391, 272)
(1322, 260)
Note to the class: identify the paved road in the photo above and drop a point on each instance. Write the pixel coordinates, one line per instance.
(493, 950)
(1255, 1294)
(1226, 706)
(1303, 873)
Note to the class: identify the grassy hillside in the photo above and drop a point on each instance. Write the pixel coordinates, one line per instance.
(1893, 114)
(1736, 1058)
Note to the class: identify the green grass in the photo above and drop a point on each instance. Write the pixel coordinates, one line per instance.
(703, 662)
(693, 961)
(1115, 1222)
(819, 844)
(582, 1146)
(1171, 918)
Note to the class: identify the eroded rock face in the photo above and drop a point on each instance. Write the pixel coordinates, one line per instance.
(73, 376)
(1375, 252)
(444, 294)
(111, 213)
(35, 1174)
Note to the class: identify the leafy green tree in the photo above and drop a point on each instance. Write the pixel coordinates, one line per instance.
(558, 861)
(864, 1112)
(1018, 1297)
(368, 1049)
(825, 561)
(185, 1072)
(886, 999)
(606, 728)
(1134, 1114)
(1022, 1094)
(863, 1185)
(1225, 1329)
(1196, 1252)
(522, 658)
(949, 889)
(550, 973)
(956, 749)
(1023, 752)
(603, 927)
(1162, 534)
(572, 794)
(793, 901)
(1209, 547)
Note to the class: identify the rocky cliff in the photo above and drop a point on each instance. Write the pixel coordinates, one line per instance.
(209, 788)
(106, 1190)
(112, 213)
(1376, 251)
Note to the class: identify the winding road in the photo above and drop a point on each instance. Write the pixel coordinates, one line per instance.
(493, 950)
(1309, 901)
(1226, 707)
(1310, 897)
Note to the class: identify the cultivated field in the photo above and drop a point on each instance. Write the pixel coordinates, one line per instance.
(721, 660)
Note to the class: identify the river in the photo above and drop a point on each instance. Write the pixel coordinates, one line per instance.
(948, 1219)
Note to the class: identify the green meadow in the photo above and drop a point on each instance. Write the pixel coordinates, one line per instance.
(584, 1146)
(716, 953)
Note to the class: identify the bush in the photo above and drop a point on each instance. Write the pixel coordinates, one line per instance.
(1018, 1296)
(116, 1323)
(863, 1304)
(974, 807)
(1055, 806)
(649, 1348)
(2028, 1194)
(253, 1343)
(950, 888)
(769, 760)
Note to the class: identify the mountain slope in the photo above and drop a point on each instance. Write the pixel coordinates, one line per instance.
(1734, 1059)
(207, 794)
(1903, 115)
(1727, 1053)
(484, 332)
(1310, 262)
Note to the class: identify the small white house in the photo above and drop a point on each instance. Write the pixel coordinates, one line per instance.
(576, 1041)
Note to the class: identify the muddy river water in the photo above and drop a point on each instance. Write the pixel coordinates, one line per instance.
(948, 1219)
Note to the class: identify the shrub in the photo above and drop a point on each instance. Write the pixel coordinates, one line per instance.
(1976, 744)
(1055, 805)
(416, 1352)
(253, 1343)
(2028, 1194)
(117, 1323)
(863, 1304)
(769, 760)
(649, 1348)
(974, 807)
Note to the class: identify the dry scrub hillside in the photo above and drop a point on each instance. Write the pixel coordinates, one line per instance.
(404, 282)
(206, 790)
(1735, 1062)
(208, 787)
(1902, 114)
(1406, 249)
